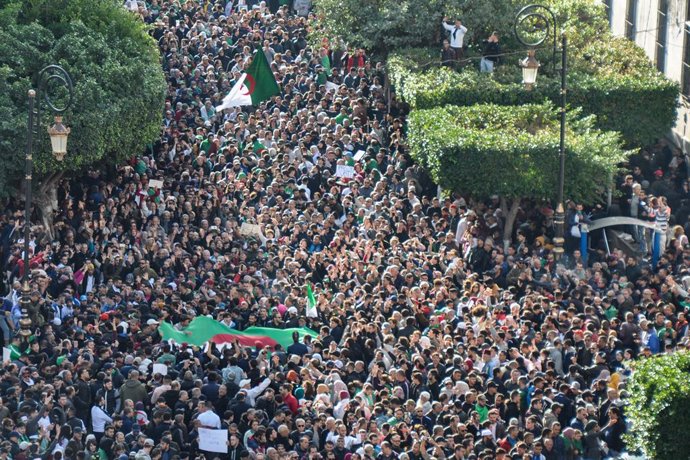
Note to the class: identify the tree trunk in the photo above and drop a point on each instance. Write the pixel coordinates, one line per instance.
(45, 201)
(510, 209)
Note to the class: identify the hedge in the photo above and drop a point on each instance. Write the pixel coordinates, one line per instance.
(641, 109)
(608, 77)
(512, 151)
(659, 407)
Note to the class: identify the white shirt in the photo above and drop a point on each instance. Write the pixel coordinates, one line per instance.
(99, 419)
(209, 419)
(457, 34)
(253, 393)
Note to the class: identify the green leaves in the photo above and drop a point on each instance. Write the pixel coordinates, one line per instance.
(380, 26)
(659, 409)
(512, 151)
(119, 87)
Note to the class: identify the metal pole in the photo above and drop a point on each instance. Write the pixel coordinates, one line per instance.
(559, 217)
(25, 301)
(28, 167)
(48, 73)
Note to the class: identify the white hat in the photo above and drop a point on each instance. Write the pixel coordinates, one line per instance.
(486, 433)
(245, 382)
(152, 322)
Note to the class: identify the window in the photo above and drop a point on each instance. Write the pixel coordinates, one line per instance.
(630, 19)
(661, 26)
(609, 10)
(686, 54)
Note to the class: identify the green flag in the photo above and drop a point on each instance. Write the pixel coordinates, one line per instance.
(311, 303)
(256, 85)
(204, 329)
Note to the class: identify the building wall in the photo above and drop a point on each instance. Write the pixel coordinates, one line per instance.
(646, 35)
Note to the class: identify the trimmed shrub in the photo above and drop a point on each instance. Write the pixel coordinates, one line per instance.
(512, 151)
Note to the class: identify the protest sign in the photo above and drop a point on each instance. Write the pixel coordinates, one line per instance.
(248, 229)
(213, 440)
(344, 171)
(155, 184)
(161, 369)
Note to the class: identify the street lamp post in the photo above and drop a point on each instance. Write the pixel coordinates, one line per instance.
(535, 14)
(52, 74)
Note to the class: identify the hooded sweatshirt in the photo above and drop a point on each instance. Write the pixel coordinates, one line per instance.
(134, 390)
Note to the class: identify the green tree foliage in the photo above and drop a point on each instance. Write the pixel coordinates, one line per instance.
(659, 407)
(380, 26)
(487, 149)
(119, 86)
(383, 26)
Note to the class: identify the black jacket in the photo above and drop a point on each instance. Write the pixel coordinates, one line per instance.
(491, 51)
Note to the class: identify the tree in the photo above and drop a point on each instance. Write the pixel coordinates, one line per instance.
(380, 26)
(659, 406)
(512, 151)
(119, 88)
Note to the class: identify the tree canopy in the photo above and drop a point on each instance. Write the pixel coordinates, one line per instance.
(119, 86)
(381, 25)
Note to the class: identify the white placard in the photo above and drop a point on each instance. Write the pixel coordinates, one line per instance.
(6, 354)
(161, 369)
(248, 229)
(330, 86)
(344, 171)
(213, 440)
(155, 184)
(359, 155)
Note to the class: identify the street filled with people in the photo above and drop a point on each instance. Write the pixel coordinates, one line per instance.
(432, 337)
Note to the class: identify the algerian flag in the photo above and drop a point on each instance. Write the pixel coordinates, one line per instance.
(254, 86)
(203, 329)
(311, 303)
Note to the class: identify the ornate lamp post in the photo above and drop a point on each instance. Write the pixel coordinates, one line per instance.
(58, 139)
(536, 14)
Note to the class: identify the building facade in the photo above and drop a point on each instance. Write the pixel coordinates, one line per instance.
(662, 29)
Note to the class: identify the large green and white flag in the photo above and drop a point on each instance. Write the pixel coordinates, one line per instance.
(254, 86)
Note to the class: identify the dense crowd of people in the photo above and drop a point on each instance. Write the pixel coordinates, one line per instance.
(432, 339)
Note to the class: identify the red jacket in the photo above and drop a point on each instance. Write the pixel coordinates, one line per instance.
(292, 403)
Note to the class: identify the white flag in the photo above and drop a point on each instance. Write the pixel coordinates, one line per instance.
(238, 96)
